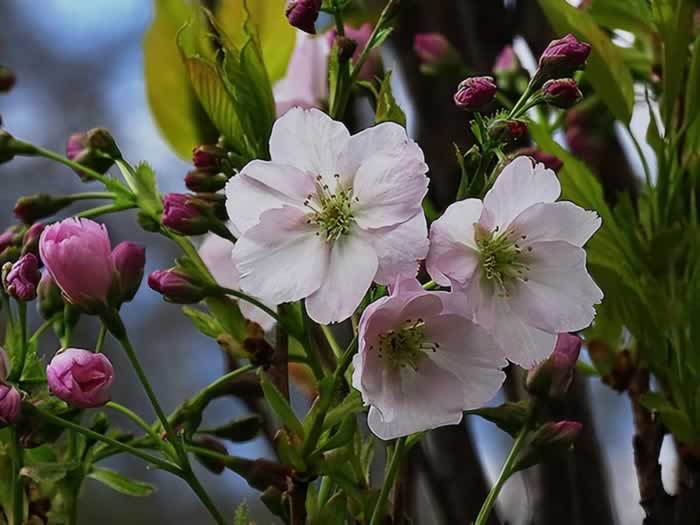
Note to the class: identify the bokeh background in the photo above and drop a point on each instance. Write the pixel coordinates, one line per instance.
(79, 65)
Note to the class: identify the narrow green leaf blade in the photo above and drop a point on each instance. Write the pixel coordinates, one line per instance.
(121, 483)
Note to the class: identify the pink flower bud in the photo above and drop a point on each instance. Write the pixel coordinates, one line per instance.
(510, 131)
(80, 378)
(129, 261)
(10, 405)
(208, 157)
(303, 14)
(550, 161)
(176, 287)
(205, 181)
(22, 280)
(183, 215)
(361, 37)
(95, 149)
(30, 243)
(32, 208)
(553, 377)
(506, 62)
(7, 79)
(475, 93)
(78, 255)
(4, 365)
(562, 93)
(561, 58)
(561, 433)
(433, 49)
(7, 238)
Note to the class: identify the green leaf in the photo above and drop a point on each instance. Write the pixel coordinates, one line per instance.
(630, 15)
(142, 182)
(333, 512)
(606, 68)
(388, 109)
(205, 323)
(121, 483)
(676, 421)
(692, 102)
(277, 36)
(242, 514)
(174, 104)
(352, 404)
(509, 417)
(677, 31)
(280, 406)
(34, 370)
(46, 472)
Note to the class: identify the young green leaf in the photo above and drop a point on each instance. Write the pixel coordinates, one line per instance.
(280, 406)
(242, 514)
(121, 483)
(388, 110)
(205, 323)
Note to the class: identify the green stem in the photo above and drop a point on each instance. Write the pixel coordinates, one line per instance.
(324, 491)
(312, 353)
(104, 210)
(332, 342)
(155, 461)
(325, 403)
(133, 416)
(389, 480)
(17, 370)
(507, 469)
(44, 326)
(89, 195)
(17, 484)
(6, 305)
(642, 158)
(100, 339)
(252, 300)
(203, 496)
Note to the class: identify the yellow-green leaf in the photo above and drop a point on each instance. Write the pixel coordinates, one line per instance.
(176, 110)
(277, 37)
(606, 68)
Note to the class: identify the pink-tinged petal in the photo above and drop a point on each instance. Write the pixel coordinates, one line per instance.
(453, 254)
(387, 136)
(306, 83)
(424, 399)
(558, 221)
(423, 305)
(559, 294)
(400, 248)
(351, 270)
(519, 186)
(391, 182)
(263, 186)
(282, 259)
(215, 252)
(311, 141)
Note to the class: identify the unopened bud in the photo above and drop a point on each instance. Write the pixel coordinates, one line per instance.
(129, 260)
(550, 161)
(7, 79)
(10, 146)
(208, 157)
(184, 214)
(239, 430)
(549, 441)
(507, 63)
(435, 51)
(303, 14)
(10, 405)
(475, 93)
(22, 280)
(511, 131)
(562, 93)
(212, 464)
(553, 377)
(561, 58)
(346, 48)
(32, 208)
(205, 181)
(95, 150)
(30, 243)
(176, 287)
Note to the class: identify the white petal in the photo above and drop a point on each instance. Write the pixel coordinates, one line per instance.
(385, 137)
(309, 140)
(400, 248)
(558, 221)
(422, 400)
(281, 259)
(519, 186)
(351, 269)
(453, 254)
(390, 183)
(559, 294)
(263, 186)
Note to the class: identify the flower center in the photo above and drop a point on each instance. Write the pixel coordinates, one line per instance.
(406, 346)
(332, 212)
(501, 257)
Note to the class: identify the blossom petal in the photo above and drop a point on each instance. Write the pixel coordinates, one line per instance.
(263, 186)
(390, 182)
(558, 221)
(282, 259)
(453, 254)
(309, 140)
(351, 270)
(559, 294)
(419, 400)
(400, 248)
(519, 186)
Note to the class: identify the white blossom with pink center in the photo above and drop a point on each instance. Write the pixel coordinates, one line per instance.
(329, 215)
(518, 257)
(422, 361)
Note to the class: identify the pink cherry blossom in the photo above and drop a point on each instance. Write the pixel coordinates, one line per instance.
(215, 251)
(422, 361)
(518, 256)
(306, 83)
(330, 214)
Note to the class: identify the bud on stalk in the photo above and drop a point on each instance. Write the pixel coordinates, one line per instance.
(303, 14)
(553, 377)
(475, 93)
(562, 93)
(94, 149)
(32, 208)
(561, 58)
(435, 52)
(176, 287)
(23, 278)
(10, 405)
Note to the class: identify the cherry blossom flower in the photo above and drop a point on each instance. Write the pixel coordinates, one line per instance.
(306, 83)
(215, 251)
(329, 215)
(422, 361)
(518, 256)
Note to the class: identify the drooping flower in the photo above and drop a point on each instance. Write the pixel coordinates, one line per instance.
(215, 252)
(306, 82)
(329, 215)
(80, 378)
(78, 255)
(422, 361)
(518, 256)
